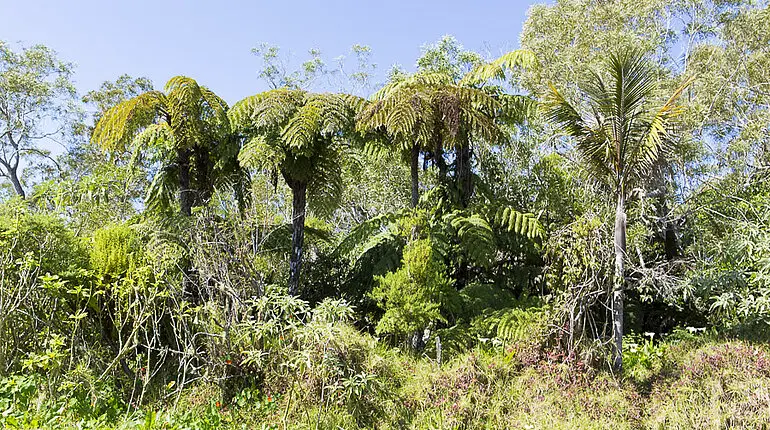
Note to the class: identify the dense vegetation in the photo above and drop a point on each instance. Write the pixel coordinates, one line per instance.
(575, 234)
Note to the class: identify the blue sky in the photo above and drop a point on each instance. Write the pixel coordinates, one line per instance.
(211, 40)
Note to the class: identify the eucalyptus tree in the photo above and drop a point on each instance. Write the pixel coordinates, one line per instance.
(621, 134)
(185, 128)
(36, 100)
(302, 136)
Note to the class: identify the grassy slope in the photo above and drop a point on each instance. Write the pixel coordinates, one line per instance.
(687, 384)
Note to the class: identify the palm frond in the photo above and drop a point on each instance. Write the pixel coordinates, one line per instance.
(656, 138)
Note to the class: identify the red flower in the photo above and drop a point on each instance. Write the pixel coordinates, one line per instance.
(270, 399)
(228, 362)
(219, 405)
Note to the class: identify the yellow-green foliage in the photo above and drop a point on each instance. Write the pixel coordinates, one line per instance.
(115, 250)
(38, 237)
(412, 295)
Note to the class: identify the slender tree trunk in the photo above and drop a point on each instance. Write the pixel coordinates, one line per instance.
(464, 173)
(438, 156)
(185, 194)
(205, 185)
(14, 177)
(240, 198)
(415, 165)
(299, 196)
(619, 281)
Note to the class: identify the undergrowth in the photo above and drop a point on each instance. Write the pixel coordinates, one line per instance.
(682, 381)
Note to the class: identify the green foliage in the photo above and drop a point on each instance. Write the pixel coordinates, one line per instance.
(184, 125)
(491, 294)
(111, 94)
(730, 281)
(296, 133)
(35, 88)
(115, 250)
(40, 239)
(413, 295)
(620, 136)
(642, 352)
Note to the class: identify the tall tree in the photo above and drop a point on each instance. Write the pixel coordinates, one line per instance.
(36, 97)
(186, 130)
(403, 109)
(299, 135)
(429, 110)
(622, 135)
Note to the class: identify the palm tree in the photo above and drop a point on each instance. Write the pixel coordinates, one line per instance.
(299, 135)
(186, 130)
(622, 136)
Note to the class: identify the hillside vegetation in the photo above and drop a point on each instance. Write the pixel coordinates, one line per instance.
(573, 234)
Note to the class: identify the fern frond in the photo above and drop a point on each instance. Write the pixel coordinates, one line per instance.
(155, 135)
(259, 153)
(524, 224)
(120, 124)
(363, 231)
(326, 184)
(476, 237)
(495, 70)
(162, 191)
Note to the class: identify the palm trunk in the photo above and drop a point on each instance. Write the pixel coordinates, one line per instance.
(619, 281)
(299, 195)
(414, 165)
(185, 195)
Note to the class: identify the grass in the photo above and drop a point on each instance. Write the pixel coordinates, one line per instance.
(677, 384)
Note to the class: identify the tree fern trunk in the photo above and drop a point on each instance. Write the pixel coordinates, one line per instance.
(438, 156)
(185, 194)
(619, 281)
(464, 173)
(415, 164)
(299, 196)
(204, 182)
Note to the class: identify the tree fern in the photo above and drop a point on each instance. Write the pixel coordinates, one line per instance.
(298, 134)
(186, 123)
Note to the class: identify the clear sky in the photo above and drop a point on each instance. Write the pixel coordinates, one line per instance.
(211, 40)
